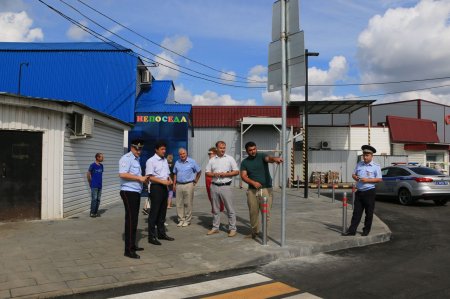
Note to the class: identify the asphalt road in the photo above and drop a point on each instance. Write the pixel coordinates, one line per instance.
(414, 264)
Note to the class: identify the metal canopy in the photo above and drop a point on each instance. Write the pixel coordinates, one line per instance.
(333, 107)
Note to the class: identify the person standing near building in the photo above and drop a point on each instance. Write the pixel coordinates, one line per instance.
(95, 179)
(158, 171)
(255, 172)
(208, 179)
(367, 173)
(222, 168)
(171, 187)
(186, 175)
(131, 181)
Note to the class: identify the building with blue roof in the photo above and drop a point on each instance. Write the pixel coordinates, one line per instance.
(105, 79)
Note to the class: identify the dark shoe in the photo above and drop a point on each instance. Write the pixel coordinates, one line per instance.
(98, 215)
(93, 215)
(165, 237)
(135, 248)
(132, 255)
(154, 241)
(347, 233)
(364, 234)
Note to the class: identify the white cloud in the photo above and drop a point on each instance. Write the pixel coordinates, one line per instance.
(405, 44)
(228, 76)
(167, 69)
(76, 33)
(16, 27)
(258, 73)
(178, 44)
(208, 98)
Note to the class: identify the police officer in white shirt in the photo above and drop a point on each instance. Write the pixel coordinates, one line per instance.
(131, 180)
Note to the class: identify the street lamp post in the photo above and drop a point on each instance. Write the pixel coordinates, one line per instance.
(20, 75)
(305, 138)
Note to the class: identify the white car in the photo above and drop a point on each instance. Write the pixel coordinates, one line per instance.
(411, 182)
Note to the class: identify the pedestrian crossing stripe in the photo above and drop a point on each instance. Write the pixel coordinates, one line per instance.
(251, 286)
(267, 290)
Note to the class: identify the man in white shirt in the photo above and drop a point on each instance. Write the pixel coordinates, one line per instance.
(158, 171)
(222, 168)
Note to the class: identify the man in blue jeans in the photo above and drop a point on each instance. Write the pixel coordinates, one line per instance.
(95, 177)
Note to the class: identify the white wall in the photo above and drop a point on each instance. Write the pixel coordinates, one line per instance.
(20, 116)
(339, 140)
(79, 154)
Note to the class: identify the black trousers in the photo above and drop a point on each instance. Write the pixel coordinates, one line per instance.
(158, 210)
(131, 201)
(364, 201)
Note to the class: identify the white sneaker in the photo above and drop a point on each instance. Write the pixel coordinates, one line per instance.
(166, 224)
(185, 224)
(180, 224)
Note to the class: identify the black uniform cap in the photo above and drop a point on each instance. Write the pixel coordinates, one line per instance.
(368, 149)
(137, 143)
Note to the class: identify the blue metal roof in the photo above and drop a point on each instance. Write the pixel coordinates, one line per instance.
(84, 46)
(161, 92)
(166, 108)
(95, 74)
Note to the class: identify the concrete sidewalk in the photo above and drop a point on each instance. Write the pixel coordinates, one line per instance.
(81, 254)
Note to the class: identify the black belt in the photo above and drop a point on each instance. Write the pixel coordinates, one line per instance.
(222, 184)
(179, 183)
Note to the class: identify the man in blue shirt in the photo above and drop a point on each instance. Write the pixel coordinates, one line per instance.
(131, 180)
(367, 173)
(95, 178)
(186, 174)
(158, 171)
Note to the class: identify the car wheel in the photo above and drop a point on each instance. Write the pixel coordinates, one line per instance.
(404, 197)
(440, 202)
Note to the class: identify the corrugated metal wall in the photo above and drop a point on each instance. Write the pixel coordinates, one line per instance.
(51, 124)
(78, 155)
(206, 138)
(337, 138)
(343, 162)
(265, 137)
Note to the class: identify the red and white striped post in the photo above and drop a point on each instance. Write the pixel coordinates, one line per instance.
(344, 213)
(264, 211)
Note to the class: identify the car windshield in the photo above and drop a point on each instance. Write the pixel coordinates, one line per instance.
(425, 171)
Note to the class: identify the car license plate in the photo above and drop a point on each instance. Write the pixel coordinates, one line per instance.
(441, 183)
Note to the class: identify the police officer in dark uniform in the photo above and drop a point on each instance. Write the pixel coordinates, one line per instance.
(131, 181)
(367, 173)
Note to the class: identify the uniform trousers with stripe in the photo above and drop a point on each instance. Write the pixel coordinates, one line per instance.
(364, 201)
(131, 201)
(158, 210)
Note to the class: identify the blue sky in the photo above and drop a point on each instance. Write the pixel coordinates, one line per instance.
(358, 41)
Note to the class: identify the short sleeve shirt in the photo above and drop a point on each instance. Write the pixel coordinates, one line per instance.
(257, 170)
(157, 167)
(225, 163)
(186, 171)
(371, 170)
(129, 163)
(96, 171)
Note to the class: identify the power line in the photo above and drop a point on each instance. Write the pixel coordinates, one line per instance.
(165, 48)
(145, 50)
(379, 83)
(109, 41)
(395, 92)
